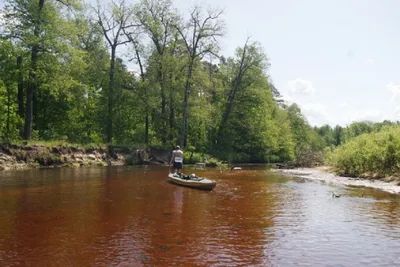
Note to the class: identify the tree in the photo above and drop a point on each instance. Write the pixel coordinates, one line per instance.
(200, 35)
(8, 79)
(357, 128)
(34, 25)
(143, 87)
(114, 21)
(249, 58)
(157, 19)
(327, 133)
(89, 67)
(338, 135)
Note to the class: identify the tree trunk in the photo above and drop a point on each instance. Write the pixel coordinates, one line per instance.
(29, 95)
(110, 115)
(32, 81)
(186, 104)
(146, 134)
(146, 96)
(35, 108)
(231, 98)
(225, 116)
(163, 107)
(8, 111)
(20, 95)
(171, 117)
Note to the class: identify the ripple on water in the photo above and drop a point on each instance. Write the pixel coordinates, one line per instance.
(124, 217)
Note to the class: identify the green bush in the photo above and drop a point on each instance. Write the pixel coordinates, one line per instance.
(193, 158)
(375, 153)
(212, 162)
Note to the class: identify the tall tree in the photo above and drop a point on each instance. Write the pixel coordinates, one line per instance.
(157, 19)
(249, 58)
(144, 86)
(33, 24)
(7, 81)
(114, 21)
(200, 35)
(88, 66)
(20, 96)
(25, 15)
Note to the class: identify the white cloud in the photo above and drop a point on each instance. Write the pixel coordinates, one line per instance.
(316, 113)
(350, 53)
(397, 112)
(344, 104)
(287, 100)
(374, 115)
(370, 61)
(301, 87)
(392, 87)
(395, 90)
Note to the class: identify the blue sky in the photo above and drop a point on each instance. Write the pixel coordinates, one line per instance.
(339, 60)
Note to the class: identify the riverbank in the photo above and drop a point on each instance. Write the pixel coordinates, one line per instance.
(326, 174)
(20, 157)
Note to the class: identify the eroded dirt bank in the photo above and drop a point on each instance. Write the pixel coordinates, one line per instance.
(324, 174)
(18, 157)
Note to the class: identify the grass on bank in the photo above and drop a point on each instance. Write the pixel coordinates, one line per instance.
(54, 143)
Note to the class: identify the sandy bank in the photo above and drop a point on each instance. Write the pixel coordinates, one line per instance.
(20, 157)
(323, 174)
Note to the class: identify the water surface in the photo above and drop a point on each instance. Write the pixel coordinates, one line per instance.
(130, 216)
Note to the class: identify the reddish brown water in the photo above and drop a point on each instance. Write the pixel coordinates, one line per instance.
(125, 216)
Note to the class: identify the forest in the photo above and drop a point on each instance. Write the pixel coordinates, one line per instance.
(140, 74)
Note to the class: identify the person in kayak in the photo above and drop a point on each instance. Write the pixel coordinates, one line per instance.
(177, 160)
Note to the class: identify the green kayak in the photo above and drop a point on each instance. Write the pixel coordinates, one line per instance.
(192, 181)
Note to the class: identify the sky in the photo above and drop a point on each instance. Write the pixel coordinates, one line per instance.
(339, 60)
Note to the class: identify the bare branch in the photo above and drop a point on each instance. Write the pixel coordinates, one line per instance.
(66, 3)
(203, 32)
(183, 37)
(116, 22)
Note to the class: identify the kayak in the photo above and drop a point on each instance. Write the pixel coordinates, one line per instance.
(192, 181)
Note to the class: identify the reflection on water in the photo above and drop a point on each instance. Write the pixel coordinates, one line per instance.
(130, 216)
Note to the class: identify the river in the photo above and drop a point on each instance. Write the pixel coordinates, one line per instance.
(131, 216)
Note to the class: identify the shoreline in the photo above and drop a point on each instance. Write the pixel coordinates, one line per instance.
(23, 157)
(325, 174)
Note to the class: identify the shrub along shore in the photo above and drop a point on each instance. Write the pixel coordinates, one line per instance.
(373, 155)
(66, 81)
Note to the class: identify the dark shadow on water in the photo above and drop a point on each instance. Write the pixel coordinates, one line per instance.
(134, 216)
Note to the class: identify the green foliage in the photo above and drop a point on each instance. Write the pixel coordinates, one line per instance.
(369, 153)
(212, 162)
(194, 157)
(233, 111)
(307, 143)
(253, 127)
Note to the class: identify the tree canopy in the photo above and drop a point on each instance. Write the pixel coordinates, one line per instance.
(140, 74)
